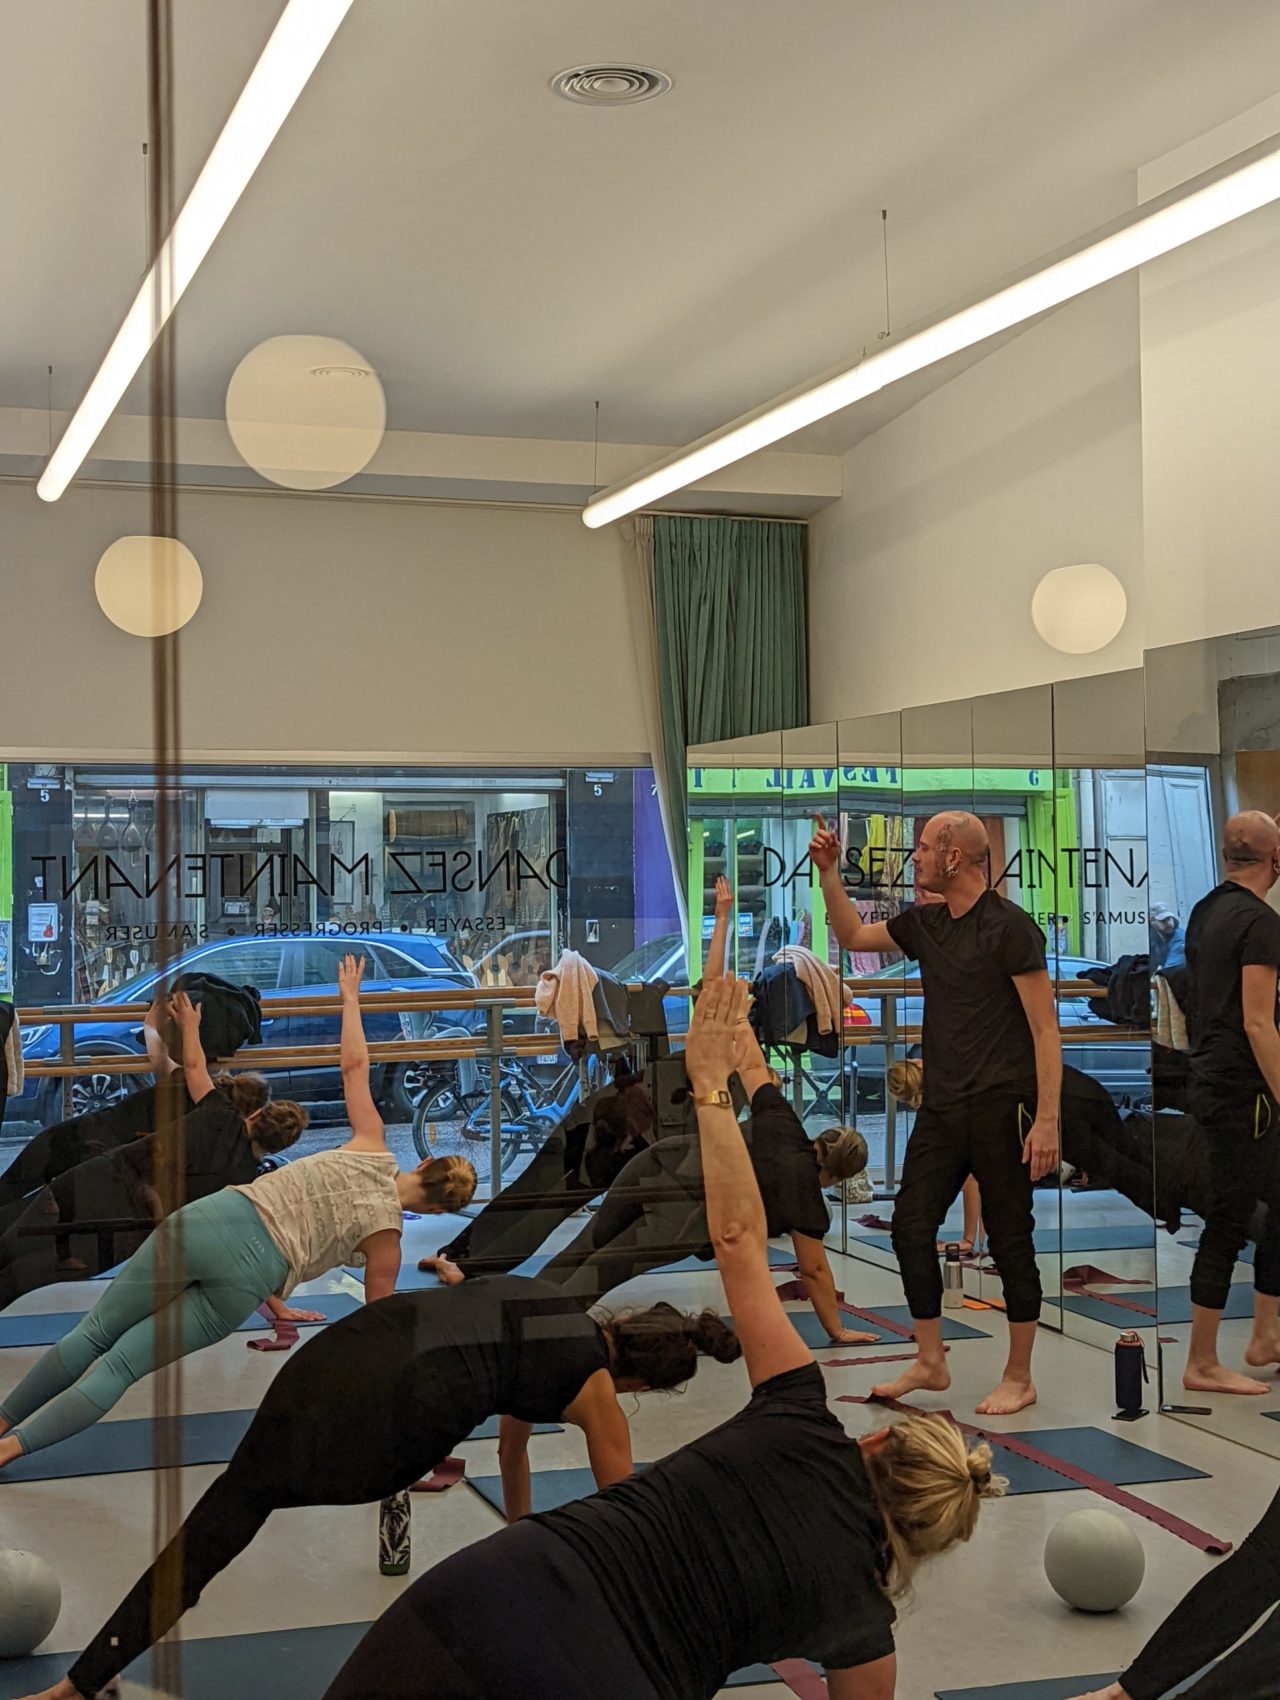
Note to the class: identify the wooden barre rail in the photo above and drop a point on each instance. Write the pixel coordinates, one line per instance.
(514, 997)
(261, 1057)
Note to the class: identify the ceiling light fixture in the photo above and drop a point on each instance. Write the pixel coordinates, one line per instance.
(610, 85)
(1242, 185)
(296, 46)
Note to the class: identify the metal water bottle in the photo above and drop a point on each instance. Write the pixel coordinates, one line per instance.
(952, 1278)
(394, 1535)
(1131, 1373)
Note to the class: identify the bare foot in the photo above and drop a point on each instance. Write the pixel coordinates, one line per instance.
(922, 1377)
(72, 1265)
(64, 1691)
(1115, 1692)
(1263, 1354)
(964, 1247)
(1217, 1378)
(1009, 1397)
(9, 1450)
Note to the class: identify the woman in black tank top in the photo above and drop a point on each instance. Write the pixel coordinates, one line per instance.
(379, 1399)
(773, 1537)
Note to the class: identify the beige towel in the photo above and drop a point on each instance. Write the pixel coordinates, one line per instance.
(1170, 1023)
(820, 982)
(565, 995)
(13, 1058)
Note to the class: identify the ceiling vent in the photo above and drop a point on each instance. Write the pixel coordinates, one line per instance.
(610, 85)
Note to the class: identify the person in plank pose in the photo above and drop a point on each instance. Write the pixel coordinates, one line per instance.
(775, 1536)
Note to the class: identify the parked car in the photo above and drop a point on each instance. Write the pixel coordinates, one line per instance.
(1124, 1069)
(277, 966)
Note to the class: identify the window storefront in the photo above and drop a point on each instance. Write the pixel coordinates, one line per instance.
(499, 870)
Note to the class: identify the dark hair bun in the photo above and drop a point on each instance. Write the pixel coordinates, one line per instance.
(713, 1338)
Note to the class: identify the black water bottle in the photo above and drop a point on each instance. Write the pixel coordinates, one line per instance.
(1131, 1374)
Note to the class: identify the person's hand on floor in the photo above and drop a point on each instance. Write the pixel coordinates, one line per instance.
(290, 1315)
(851, 1337)
(1115, 1692)
(444, 1269)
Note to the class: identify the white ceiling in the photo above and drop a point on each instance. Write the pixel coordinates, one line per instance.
(504, 258)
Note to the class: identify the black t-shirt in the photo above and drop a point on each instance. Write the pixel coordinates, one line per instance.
(976, 1035)
(120, 1183)
(786, 1167)
(757, 1542)
(1229, 930)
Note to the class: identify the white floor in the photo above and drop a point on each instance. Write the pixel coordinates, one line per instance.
(984, 1615)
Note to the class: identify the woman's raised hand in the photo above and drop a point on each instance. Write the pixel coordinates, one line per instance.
(710, 1049)
(184, 1012)
(724, 897)
(350, 974)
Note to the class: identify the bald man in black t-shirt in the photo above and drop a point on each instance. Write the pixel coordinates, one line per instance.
(992, 1084)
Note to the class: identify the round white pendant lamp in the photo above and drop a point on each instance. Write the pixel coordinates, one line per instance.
(148, 586)
(307, 412)
(1079, 609)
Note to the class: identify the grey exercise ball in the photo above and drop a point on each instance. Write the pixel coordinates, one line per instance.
(30, 1600)
(1094, 1561)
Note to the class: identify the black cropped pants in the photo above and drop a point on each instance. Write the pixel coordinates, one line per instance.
(1243, 1141)
(982, 1137)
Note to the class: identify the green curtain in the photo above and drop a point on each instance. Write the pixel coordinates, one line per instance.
(730, 605)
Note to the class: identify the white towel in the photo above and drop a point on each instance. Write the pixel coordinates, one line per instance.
(1170, 1023)
(13, 1058)
(565, 995)
(819, 980)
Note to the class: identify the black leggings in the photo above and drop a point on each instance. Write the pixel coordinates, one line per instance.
(655, 1213)
(518, 1616)
(983, 1138)
(1215, 1614)
(1242, 1160)
(326, 1434)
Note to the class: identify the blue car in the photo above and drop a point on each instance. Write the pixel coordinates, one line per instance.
(279, 966)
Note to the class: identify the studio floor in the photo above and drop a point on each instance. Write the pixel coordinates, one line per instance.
(982, 1618)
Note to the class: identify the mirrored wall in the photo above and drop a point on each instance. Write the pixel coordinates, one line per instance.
(1213, 751)
(1056, 777)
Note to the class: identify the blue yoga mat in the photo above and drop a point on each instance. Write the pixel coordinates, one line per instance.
(1048, 1688)
(814, 1335)
(1173, 1304)
(48, 1327)
(551, 1488)
(1048, 1241)
(283, 1664)
(118, 1448)
(1120, 1462)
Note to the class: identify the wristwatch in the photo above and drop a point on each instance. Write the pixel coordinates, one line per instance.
(713, 1100)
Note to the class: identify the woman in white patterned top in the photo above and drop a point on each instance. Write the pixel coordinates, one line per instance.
(210, 1265)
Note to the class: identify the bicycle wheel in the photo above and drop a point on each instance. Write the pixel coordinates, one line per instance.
(446, 1126)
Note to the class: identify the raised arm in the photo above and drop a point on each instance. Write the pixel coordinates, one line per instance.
(157, 1052)
(194, 1063)
(850, 929)
(717, 963)
(1042, 1147)
(735, 1210)
(367, 1131)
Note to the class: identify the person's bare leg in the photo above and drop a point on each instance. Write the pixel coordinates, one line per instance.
(1205, 1373)
(1263, 1350)
(1016, 1390)
(929, 1373)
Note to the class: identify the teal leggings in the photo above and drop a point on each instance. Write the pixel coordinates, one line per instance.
(200, 1275)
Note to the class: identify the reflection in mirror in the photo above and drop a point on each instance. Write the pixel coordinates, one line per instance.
(1100, 929)
(1213, 755)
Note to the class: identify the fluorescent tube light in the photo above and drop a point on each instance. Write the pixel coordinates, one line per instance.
(1184, 215)
(297, 45)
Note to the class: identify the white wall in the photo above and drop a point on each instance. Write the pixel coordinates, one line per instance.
(344, 628)
(922, 574)
(1210, 335)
